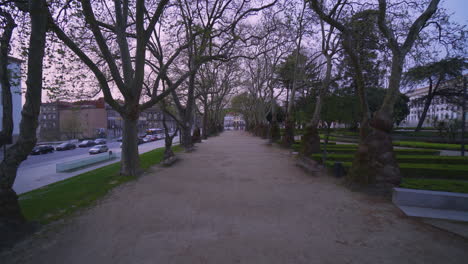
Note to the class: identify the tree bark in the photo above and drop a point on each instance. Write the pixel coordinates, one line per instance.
(7, 104)
(186, 138)
(130, 163)
(11, 217)
(375, 162)
(311, 138)
(205, 121)
(274, 133)
(427, 104)
(168, 139)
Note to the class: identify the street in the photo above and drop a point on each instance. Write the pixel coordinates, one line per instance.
(40, 170)
(35, 160)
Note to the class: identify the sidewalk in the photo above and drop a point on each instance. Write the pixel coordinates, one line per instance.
(33, 177)
(238, 200)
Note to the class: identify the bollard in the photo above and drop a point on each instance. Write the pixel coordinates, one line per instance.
(339, 170)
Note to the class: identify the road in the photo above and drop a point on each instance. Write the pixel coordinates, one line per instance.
(40, 170)
(34, 160)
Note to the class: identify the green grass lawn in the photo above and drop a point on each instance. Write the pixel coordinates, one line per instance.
(435, 185)
(60, 199)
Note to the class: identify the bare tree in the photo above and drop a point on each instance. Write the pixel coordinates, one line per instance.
(330, 46)
(11, 217)
(121, 37)
(5, 80)
(216, 28)
(375, 160)
(290, 123)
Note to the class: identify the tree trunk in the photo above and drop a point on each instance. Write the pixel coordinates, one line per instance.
(130, 163)
(274, 134)
(311, 138)
(421, 120)
(7, 105)
(168, 153)
(375, 162)
(11, 218)
(288, 137)
(310, 141)
(205, 121)
(186, 138)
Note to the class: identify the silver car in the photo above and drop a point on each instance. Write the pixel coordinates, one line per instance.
(98, 149)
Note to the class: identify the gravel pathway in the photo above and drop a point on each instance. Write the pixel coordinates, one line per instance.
(238, 200)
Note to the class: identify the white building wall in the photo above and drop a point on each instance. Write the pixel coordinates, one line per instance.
(439, 108)
(15, 78)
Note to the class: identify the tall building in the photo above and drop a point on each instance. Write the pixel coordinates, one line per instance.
(14, 67)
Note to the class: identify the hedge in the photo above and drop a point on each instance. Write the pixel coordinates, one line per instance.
(350, 149)
(435, 185)
(418, 144)
(417, 170)
(402, 158)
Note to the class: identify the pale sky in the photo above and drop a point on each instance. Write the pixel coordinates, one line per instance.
(459, 8)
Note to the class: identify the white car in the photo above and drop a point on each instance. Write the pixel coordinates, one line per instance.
(98, 149)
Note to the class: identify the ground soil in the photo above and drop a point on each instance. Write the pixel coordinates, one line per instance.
(237, 199)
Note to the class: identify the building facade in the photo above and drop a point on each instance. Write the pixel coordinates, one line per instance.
(150, 118)
(14, 67)
(233, 121)
(72, 120)
(440, 109)
(49, 121)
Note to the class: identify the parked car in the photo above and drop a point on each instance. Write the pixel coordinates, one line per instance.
(98, 149)
(65, 146)
(147, 139)
(42, 149)
(119, 139)
(86, 143)
(100, 141)
(154, 137)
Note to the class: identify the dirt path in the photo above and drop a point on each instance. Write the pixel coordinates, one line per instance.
(237, 200)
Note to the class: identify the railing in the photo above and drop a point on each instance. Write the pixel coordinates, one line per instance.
(84, 162)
